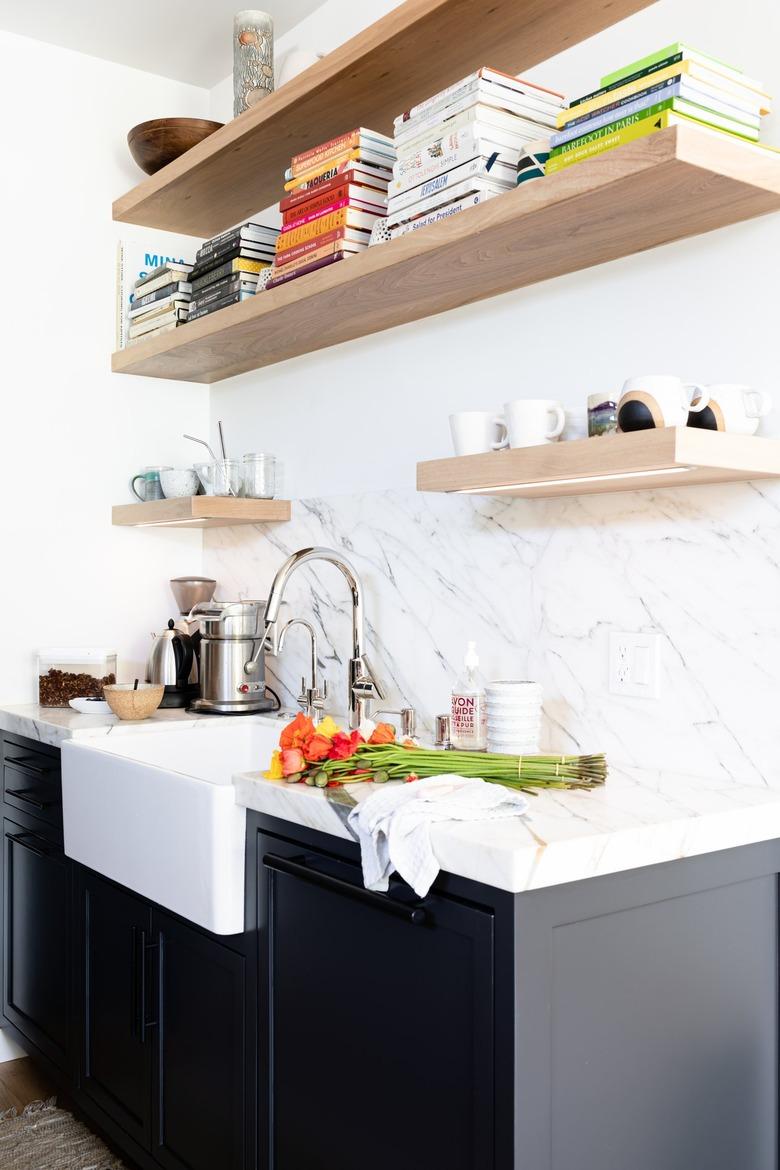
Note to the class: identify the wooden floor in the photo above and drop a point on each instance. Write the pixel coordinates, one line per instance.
(21, 1082)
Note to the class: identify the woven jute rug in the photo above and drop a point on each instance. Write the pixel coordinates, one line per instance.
(44, 1137)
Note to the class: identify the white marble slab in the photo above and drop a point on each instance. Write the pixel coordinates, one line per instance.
(638, 818)
(55, 725)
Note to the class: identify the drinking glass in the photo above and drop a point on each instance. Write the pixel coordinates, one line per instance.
(221, 478)
(259, 476)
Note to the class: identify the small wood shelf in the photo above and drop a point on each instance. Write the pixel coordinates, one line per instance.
(200, 512)
(669, 457)
(417, 49)
(677, 183)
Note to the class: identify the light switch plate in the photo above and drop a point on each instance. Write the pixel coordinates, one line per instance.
(635, 665)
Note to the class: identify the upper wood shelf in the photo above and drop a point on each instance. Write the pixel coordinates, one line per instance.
(677, 183)
(416, 50)
(200, 512)
(667, 457)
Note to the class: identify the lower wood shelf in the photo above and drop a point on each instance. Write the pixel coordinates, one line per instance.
(668, 457)
(676, 183)
(200, 512)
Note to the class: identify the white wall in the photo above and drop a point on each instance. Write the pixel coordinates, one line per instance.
(542, 584)
(71, 432)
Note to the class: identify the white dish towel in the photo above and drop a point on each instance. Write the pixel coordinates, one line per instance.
(393, 824)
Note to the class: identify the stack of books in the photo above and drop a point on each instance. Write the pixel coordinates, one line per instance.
(161, 301)
(336, 192)
(227, 268)
(461, 146)
(673, 86)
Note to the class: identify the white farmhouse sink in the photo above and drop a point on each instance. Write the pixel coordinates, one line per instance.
(156, 811)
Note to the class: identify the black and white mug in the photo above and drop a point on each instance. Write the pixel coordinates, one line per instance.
(659, 400)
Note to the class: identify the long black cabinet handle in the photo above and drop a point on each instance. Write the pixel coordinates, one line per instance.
(296, 867)
(21, 794)
(41, 847)
(144, 946)
(24, 762)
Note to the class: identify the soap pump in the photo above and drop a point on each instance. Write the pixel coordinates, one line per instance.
(468, 723)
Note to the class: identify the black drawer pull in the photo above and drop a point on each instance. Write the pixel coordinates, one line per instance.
(22, 794)
(25, 762)
(41, 848)
(416, 915)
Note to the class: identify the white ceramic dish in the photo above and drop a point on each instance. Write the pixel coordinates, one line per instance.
(90, 706)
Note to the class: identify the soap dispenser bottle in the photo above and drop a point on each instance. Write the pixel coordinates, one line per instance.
(468, 723)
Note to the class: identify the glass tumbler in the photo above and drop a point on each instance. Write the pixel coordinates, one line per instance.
(222, 478)
(260, 476)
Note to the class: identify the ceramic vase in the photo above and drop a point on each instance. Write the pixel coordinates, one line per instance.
(253, 58)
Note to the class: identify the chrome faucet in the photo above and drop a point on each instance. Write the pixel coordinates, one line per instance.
(311, 700)
(363, 684)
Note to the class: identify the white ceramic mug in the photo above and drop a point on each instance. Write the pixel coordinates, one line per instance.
(658, 400)
(733, 407)
(533, 421)
(476, 431)
(179, 482)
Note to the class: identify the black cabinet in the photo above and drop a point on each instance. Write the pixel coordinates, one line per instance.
(164, 1031)
(377, 1048)
(114, 977)
(203, 1069)
(36, 936)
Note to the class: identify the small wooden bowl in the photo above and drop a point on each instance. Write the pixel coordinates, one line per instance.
(131, 704)
(154, 144)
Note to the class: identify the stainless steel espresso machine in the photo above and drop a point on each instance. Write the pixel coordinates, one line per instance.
(232, 634)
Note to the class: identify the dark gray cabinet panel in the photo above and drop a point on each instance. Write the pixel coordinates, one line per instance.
(114, 983)
(36, 937)
(377, 1048)
(202, 1090)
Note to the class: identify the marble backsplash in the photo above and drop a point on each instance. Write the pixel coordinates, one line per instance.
(540, 585)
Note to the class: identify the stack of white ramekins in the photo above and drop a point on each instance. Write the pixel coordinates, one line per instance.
(514, 717)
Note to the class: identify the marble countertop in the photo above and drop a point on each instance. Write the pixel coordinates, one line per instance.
(638, 818)
(54, 725)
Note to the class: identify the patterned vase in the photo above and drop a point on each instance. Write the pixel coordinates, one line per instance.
(253, 58)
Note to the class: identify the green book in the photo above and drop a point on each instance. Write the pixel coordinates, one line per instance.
(683, 52)
(673, 105)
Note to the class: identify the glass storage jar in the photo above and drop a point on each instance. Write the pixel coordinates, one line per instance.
(259, 476)
(65, 674)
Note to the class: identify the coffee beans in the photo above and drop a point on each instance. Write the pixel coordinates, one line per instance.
(58, 687)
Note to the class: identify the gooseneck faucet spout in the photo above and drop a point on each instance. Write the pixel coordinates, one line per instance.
(363, 684)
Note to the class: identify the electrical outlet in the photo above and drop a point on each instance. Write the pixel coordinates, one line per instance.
(635, 665)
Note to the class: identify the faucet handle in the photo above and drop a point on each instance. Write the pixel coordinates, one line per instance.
(366, 682)
(408, 720)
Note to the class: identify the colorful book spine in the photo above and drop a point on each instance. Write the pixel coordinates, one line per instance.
(285, 255)
(322, 171)
(310, 257)
(341, 180)
(299, 220)
(326, 223)
(283, 277)
(631, 132)
(614, 127)
(308, 160)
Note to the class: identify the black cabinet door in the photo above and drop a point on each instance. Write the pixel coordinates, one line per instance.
(117, 1026)
(378, 1046)
(36, 936)
(201, 1091)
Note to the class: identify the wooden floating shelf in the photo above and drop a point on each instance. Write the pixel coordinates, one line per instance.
(420, 47)
(668, 457)
(677, 183)
(200, 512)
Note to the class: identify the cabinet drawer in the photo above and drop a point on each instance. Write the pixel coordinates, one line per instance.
(32, 782)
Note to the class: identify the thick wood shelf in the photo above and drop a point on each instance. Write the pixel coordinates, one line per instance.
(677, 183)
(669, 457)
(417, 49)
(200, 512)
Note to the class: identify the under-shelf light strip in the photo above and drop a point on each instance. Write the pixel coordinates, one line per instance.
(546, 483)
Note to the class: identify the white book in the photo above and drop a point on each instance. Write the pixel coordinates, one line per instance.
(158, 319)
(483, 96)
(503, 127)
(499, 175)
(175, 300)
(449, 195)
(155, 332)
(446, 211)
(516, 84)
(444, 154)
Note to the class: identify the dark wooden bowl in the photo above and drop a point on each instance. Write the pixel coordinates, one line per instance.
(154, 144)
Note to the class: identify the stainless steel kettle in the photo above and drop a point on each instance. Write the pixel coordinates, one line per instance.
(170, 663)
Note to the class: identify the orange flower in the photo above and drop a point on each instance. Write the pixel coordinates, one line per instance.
(292, 761)
(298, 733)
(344, 746)
(382, 733)
(318, 748)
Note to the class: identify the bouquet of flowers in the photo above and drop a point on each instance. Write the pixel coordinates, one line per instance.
(323, 754)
